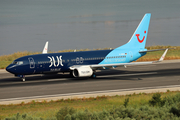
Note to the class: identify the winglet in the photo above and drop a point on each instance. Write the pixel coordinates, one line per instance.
(163, 56)
(45, 50)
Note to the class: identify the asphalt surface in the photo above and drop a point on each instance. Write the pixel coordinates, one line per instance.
(159, 74)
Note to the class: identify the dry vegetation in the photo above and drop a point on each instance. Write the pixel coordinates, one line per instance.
(171, 54)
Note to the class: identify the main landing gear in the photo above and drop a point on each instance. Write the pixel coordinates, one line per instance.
(93, 75)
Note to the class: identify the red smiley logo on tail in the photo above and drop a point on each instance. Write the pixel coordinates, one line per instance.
(137, 35)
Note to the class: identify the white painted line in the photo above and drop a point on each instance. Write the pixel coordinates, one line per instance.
(57, 79)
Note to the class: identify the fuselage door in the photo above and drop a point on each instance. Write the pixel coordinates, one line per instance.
(31, 63)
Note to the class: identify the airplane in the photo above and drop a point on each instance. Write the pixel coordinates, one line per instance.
(85, 63)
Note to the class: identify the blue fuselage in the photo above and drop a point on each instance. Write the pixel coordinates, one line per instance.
(55, 62)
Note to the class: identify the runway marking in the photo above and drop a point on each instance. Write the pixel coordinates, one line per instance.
(86, 93)
(128, 74)
(57, 79)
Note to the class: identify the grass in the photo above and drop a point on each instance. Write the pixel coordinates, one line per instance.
(49, 109)
(171, 54)
(5, 60)
(151, 56)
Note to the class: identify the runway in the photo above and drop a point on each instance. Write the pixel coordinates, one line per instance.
(160, 74)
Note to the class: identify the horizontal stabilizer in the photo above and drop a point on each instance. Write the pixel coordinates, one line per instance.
(154, 50)
(151, 50)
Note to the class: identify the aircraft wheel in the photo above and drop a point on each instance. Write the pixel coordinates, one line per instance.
(23, 79)
(71, 74)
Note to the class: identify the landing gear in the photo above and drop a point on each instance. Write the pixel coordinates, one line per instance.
(93, 75)
(22, 77)
(71, 74)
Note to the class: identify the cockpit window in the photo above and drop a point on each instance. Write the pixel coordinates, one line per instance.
(14, 62)
(18, 62)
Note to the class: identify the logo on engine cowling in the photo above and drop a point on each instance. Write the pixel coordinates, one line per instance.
(85, 72)
(53, 61)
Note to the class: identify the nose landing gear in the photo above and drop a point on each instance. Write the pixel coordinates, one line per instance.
(22, 77)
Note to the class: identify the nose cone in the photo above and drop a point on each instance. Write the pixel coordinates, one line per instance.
(10, 69)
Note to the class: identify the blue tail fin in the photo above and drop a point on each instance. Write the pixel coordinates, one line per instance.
(138, 39)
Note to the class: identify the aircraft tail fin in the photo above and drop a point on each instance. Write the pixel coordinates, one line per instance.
(45, 50)
(138, 39)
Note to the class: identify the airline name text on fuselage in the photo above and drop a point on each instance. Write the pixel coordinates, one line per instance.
(53, 61)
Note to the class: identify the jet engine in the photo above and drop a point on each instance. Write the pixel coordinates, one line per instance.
(83, 71)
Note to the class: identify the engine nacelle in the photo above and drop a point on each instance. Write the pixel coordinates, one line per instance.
(84, 71)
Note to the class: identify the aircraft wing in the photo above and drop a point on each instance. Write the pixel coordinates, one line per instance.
(119, 64)
(45, 50)
(132, 63)
(104, 66)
